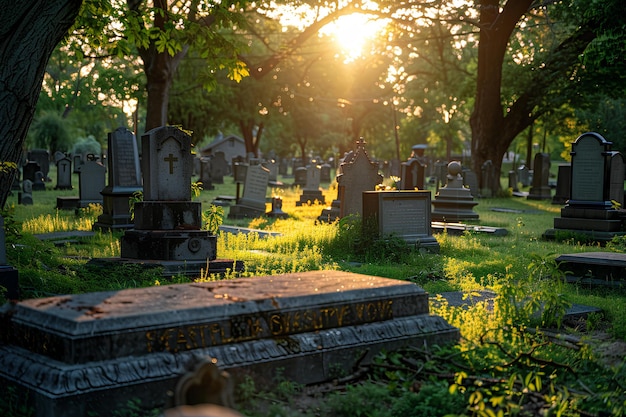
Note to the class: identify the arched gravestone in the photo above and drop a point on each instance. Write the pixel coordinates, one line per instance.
(590, 211)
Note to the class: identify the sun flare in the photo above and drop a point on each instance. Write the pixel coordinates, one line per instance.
(353, 32)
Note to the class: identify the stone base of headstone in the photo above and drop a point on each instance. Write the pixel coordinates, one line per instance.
(539, 193)
(73, 355)
(332, 213)
(454, 202)
(309, 197)
(67, 203)
(277, 209)
(597, 224)
(9, 282)
(169, 245)
(115, 210)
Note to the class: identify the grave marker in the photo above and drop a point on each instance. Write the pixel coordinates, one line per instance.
(64, 174)
(540, 189)
(91, 181)
(124, 179)
(253, 198)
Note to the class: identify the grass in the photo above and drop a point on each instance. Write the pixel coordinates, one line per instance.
(519, 266)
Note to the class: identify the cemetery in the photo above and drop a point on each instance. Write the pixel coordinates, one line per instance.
(307, 209)
(291, 297)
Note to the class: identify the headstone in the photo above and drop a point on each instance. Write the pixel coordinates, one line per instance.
(311, 193)
(64, 174)
(300, 174)
(487, 171)
(205, 173)
(252, 202)
(395, 169)
(219, 168)
(9, 277)
(272, 166)
(471, 181)
(523, 174)
(70, 355)
(26, 196)
(58, 155)
(563, 184)
(403, 214)
(357, 176)
(541, 175)
(42, 157)
(39, 183)
(325, 173)
(441, 173)
(590, 211)
(413, 175)
(29, 170)
(91, 181)
(277, 209)
(283, 167)
(124, 179)
(454, 202)
(513, 180)
(77, 160)
(168, 225)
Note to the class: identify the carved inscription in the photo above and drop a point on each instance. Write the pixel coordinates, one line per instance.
(275, 324)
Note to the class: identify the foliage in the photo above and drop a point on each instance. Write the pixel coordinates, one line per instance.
(213, 218)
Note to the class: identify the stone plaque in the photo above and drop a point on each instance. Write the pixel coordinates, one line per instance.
(169, 164)
(255, 187)
(124, 170)
(588, 168)
(616, 191)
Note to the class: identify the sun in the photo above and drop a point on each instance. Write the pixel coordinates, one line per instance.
(353, 32)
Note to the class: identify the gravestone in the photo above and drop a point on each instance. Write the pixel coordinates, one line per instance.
(91, 181)
(72, 355)
(403, 214)
(441, 173)
(333, 212)
(357, 176)
(283, 167)
(219, 168)
(9, 277)
(124, 179)
(252, 201)
(589, 211)
(272, 167)
(563, 184)
(523, 174)
(325, 173)
(29, 170)
(311, 192)
(205, 173)
(77, 160)
(540, 189)
(26, 196)
(454, 202)
(42, 157)
(488, 173)
(58, 155)
(168, 225)
(300, 174)
(64, 174)
(413, 172)
(39, 183)
(471, 181)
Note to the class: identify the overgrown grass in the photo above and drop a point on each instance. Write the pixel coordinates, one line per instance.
(504, 361)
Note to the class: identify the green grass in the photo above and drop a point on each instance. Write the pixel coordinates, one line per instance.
(519, 266)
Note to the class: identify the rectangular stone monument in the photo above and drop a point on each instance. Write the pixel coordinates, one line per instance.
(124, 179)
(589, 210)
(42, 157)
(616, 179)
(219, 168)
(253, 199)
(540, 189)
(64, 174)
(29, 170)
(311, 192)
(357, 176)
(563, 184)
(403, 214)
(72, 355)
(91, 181)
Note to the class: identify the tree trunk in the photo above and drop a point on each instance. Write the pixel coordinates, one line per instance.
(490, 136)
(29, 32)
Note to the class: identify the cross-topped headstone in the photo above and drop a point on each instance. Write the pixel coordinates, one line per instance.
(168, 164)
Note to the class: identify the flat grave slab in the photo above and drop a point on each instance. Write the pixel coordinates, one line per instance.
(596, 268)
(73, 354)
(460, 228)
